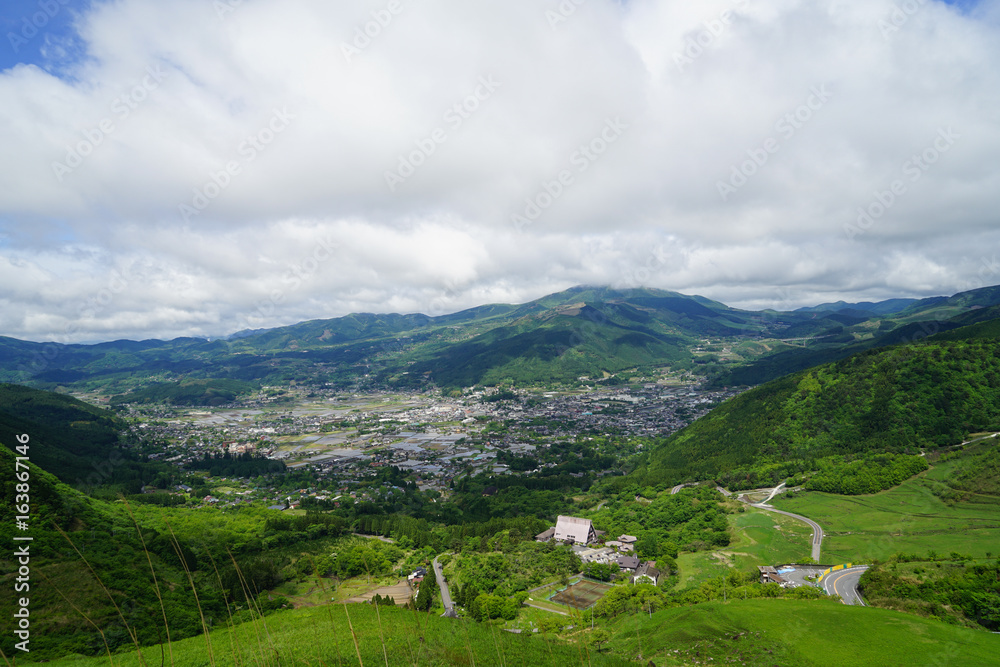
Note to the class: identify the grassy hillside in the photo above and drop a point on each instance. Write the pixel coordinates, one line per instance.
(952, 507)
(762, 633)
(363, 634)
(68, 435)
(79, 542)
(898, 399)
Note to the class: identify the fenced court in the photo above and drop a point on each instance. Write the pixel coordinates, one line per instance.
(583, 594)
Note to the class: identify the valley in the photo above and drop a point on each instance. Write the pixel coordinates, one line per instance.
(297, 485)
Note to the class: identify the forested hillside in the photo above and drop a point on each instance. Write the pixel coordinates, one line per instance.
(899, 400)
(69, 434)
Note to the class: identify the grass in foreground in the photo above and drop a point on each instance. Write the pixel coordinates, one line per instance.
(343, 634)
(794, 632)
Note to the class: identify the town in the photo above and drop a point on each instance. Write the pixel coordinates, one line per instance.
(340, 440)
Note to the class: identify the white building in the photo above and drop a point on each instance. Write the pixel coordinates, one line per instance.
(579, 531)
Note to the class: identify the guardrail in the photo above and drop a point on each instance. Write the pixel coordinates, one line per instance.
(835, 568)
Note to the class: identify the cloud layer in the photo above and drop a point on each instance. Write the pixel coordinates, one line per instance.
(212, 167)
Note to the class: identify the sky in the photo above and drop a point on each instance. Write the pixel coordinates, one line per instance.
(200, 167)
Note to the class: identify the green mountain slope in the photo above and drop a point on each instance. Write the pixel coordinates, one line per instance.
(896, 399)
(580, 331)
(890, 332)
(68, 435)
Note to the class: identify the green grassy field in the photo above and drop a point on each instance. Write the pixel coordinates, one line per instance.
(756, 541)
(327, 635)
(794, 632)
(909, 518)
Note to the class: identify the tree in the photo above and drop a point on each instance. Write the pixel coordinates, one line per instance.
(601, 571)
(599, 637)
(425, 596)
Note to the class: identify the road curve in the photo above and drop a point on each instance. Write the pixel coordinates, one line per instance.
(845, 584)
(817, 538)
(449, 606)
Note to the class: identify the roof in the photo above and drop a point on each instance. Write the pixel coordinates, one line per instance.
(628, 539)
(546, 534)
(628, 562)
(647, 570)
(575, 529)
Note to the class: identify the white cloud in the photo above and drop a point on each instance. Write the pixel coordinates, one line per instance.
(279, 143)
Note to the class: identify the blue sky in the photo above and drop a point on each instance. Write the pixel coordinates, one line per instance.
(40, 33)
(197, 172)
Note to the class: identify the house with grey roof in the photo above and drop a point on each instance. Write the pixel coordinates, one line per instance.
(646, 573)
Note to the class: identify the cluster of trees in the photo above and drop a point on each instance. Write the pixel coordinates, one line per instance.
(363, 556)
(428, 590)
(238, 465)
(188, 392)
(736, 585)
(601, 571)
(692, 520)
(954, 592)
(487, 606)
(518, 567)
(422, 532)
(855, 475)
(161, 499)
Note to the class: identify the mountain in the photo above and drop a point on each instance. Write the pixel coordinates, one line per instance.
(920, 320)
(898, 399)
(887, 307)
(583, 331)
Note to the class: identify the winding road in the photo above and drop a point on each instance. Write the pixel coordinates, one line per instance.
(845, 584)
(817, 536)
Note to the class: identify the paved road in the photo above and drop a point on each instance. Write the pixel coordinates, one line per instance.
(449, 606)
(817, 537)
(677, 489)
(845, 584)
